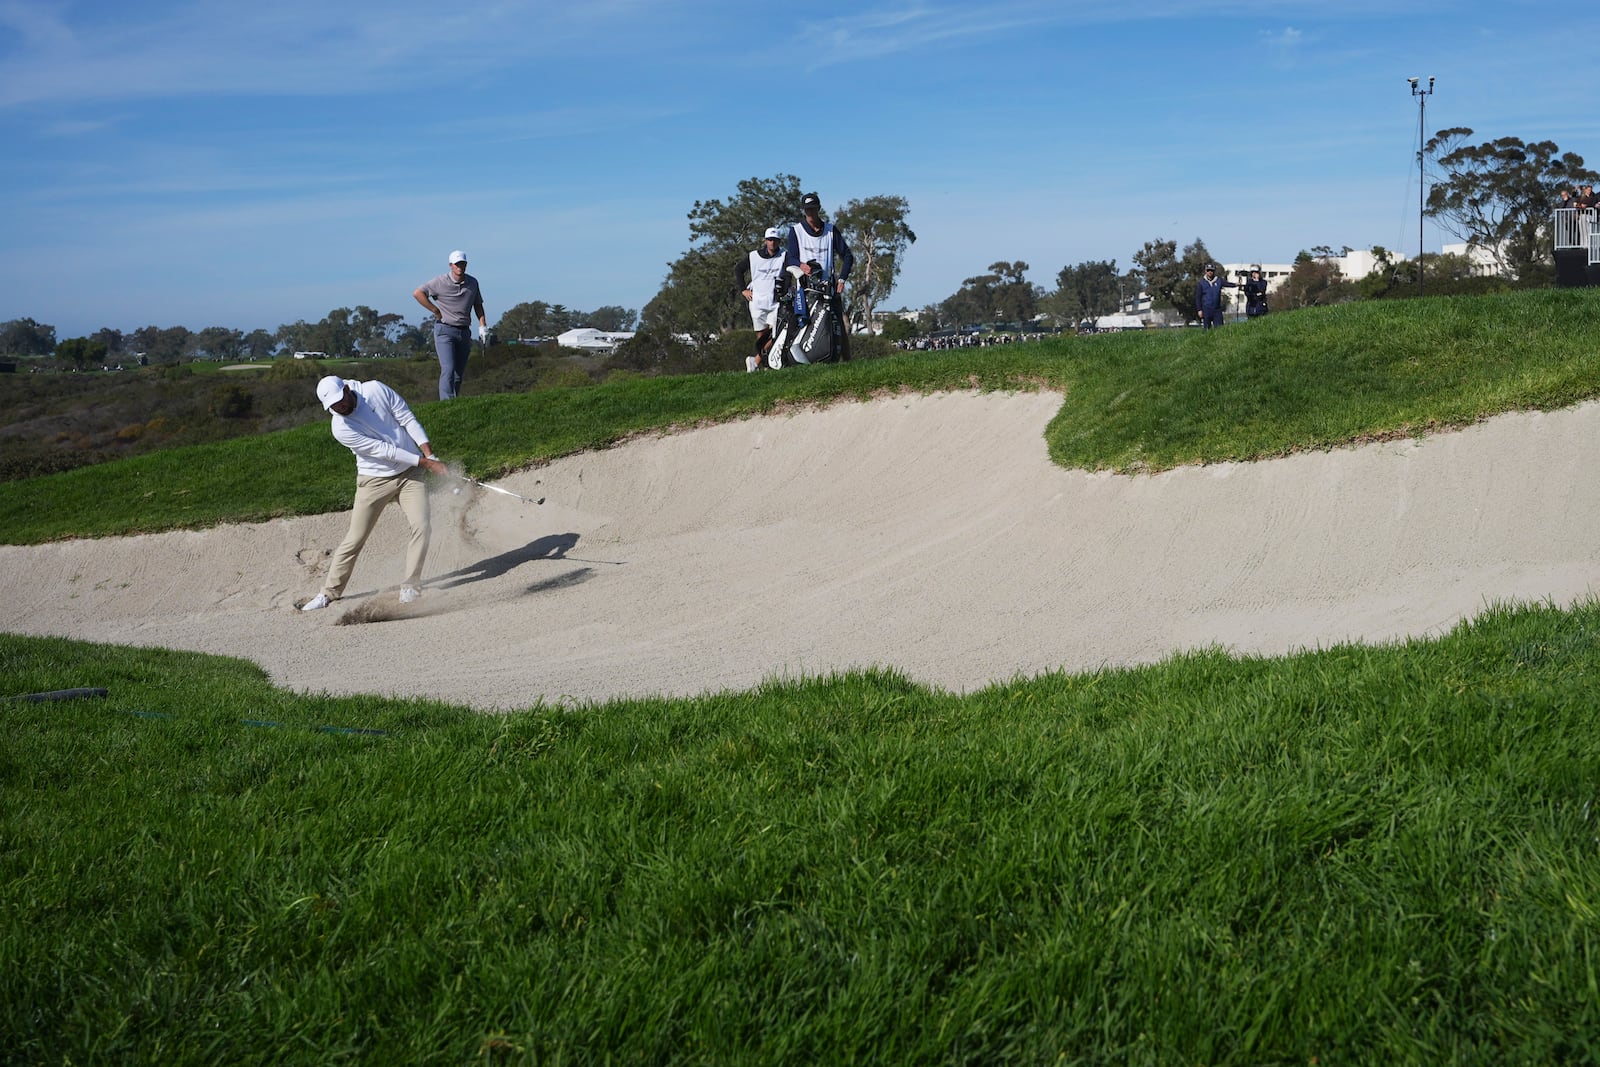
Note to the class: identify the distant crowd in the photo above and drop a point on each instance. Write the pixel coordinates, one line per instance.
(964, 340)
(1581, 197)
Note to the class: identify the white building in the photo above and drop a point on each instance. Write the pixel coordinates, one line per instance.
(1483, 261)
(1354, 264)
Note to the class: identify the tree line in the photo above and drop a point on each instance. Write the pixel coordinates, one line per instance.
(358, 331)
(1169, 277)
(1495, 195)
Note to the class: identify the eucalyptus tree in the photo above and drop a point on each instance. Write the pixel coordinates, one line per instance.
(1497, 195)
(697, 297)
(876, 230)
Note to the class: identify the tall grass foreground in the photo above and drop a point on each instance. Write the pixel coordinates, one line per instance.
(1353, 856)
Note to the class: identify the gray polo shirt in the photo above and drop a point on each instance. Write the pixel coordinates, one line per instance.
(456, 300)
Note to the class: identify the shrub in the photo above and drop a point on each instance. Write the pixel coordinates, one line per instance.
(21, 462)
(289, 369)
(232, 402)
(654, 353)
(554, 377)
(868, 346)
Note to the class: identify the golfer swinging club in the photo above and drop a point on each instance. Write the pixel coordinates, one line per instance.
(392, 452)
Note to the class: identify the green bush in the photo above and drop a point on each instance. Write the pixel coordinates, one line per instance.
(287, 368)
(898, 329)
(870, 346)
(232, 402)
(563, 378)
(654, 353)
(21, 462)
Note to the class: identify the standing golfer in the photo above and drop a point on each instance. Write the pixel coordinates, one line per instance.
(392, 451)
(451, 298)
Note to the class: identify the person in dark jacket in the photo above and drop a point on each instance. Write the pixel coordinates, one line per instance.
(1208, 297)
(1255, 295)
(814, 244)
(813, 241)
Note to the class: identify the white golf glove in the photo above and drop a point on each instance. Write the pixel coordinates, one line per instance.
(483, 332)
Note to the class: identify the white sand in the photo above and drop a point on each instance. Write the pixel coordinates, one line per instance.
(931, 534)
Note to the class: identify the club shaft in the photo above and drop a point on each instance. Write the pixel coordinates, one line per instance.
(503, 492)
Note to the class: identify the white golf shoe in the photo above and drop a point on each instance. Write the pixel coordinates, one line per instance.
(751, 364)
(410, 594)
(316, 603)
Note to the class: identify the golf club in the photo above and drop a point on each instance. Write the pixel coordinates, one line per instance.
(497, 489)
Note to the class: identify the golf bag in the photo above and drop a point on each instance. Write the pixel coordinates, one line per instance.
(810, 321)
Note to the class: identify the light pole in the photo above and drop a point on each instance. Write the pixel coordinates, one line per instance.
(1422, 109)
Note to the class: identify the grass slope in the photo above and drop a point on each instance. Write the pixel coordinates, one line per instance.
(1311, 379)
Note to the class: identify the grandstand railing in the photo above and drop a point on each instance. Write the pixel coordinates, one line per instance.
(1573, 227)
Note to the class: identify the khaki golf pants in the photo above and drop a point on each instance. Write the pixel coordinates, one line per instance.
(373, 494)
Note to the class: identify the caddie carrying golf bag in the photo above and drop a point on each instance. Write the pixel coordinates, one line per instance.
(810, 321)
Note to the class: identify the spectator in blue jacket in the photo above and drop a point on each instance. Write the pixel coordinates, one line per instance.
(1208, 297)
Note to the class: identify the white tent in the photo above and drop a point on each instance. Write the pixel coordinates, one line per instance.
(588, 339)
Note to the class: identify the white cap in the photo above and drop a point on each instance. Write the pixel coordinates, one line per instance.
(457, 256)
(330, 391)
(772, 232)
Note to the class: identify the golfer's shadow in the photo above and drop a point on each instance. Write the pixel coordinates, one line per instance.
(552, 547)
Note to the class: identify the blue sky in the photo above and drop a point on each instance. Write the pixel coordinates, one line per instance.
(201, 163)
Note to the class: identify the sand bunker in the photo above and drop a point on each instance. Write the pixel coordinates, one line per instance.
(931, 534)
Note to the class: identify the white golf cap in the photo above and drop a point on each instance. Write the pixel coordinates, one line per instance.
(458, 256)
(772, 232)
(330, 391)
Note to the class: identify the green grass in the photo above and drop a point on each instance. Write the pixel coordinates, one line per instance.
(1359, 855)
(1354, 856)
(1311, 379)
(1326, 377)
